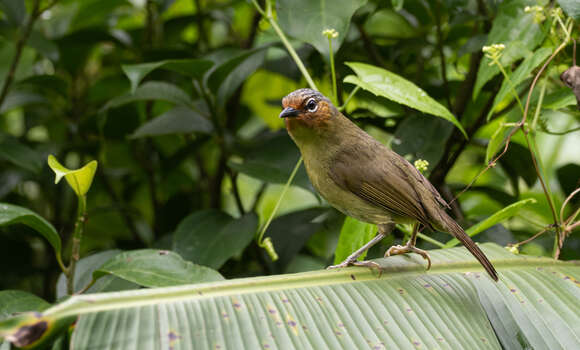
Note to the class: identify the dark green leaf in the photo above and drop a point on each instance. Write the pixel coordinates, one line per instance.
(18, 98)
(571, 8)
(394, 87)
(569, 179)
(20, 155)
(517, 163)
(388, 24)
(290, 232)
(271, 158)
(422, 138)
(84, 275)
(156, 268)
(14, 10)
(353, 235)
(228, 75)
(194, 68)
(211, 237)
(16, 301)
(43, 45)
(95, 13)
(306, 19)
(46, 83)
(179, 120)
(517, 31)
(152, 90)
(12, 214)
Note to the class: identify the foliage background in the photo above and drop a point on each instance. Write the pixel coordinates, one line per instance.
(194, 158)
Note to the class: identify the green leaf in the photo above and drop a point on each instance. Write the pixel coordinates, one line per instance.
(496, 141)
(152, 90)
(394, 87)
(422, 137)
(504, 214)
(232, 72)
(179, 120)
(14, 10)
(397, 4)
(389, 24)
(21, 155)
(156, 268)
(353, 235)
(194, 68)
(571, 8)
(519, 75)
(453, 305)
(290, 232)
(306, 19)
(16, 301)
(271, 158)
(18, 98)
(211, 237)
(80, 180)
(12, 214)
(84, 275)
(517, 31)
(559, 99)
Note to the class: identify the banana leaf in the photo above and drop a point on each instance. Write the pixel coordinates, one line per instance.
(454, 305)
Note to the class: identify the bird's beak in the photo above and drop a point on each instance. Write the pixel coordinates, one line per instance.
(289, 112)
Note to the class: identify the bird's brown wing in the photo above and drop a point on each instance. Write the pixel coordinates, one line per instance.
(384, 179)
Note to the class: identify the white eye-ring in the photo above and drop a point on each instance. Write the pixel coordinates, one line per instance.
(311, 105)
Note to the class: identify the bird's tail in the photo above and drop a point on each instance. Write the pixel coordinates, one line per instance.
(453, 227)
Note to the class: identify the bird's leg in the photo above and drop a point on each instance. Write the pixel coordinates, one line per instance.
(410, 247)
(384, 230)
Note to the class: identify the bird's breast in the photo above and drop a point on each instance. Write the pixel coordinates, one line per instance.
(345, 201)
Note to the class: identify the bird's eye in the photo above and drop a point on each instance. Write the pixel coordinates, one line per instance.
(311, 105)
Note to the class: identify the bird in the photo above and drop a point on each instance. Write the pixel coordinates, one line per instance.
(366, 180)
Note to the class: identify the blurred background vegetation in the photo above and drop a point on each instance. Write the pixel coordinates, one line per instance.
(193, 157)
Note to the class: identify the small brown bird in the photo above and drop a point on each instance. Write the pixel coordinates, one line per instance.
(362, 178)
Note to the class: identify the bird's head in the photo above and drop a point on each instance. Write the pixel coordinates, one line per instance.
(307, 109)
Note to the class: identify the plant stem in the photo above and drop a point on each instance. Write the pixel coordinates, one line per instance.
(268, 15)
(22, 38)
(430, 240)
(76, 243)
(512, 87)
(350, 96)
(284, 190)
(333, 73)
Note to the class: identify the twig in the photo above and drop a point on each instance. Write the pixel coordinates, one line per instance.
(532, 238)
(566, 201)
(23, 37)
(520, 125)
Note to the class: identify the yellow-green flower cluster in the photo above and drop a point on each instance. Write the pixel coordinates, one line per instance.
(538, 12)
(330, 33)
(421, 165)
(493, 52)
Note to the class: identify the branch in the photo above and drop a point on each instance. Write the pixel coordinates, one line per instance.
(23, 37)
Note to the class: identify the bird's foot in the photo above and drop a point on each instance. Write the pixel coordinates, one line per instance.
(402, 249)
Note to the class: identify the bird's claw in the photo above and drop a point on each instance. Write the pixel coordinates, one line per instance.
(402, 249)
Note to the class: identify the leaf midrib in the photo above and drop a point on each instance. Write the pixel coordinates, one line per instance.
(78, 305)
